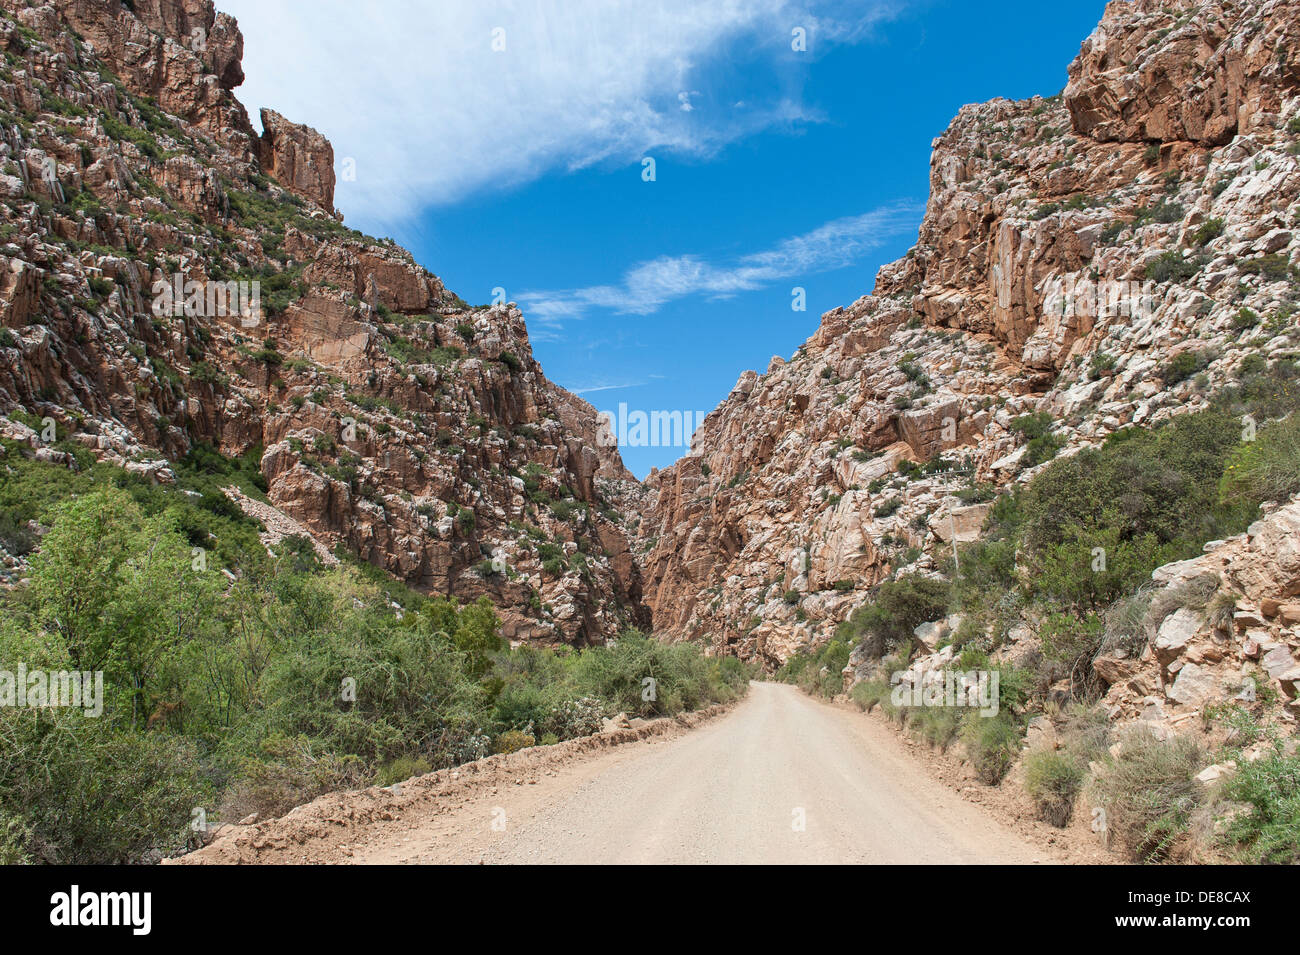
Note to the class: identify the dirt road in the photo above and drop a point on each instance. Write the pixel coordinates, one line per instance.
(781, 779)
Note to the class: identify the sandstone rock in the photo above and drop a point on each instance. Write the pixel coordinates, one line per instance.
(968, 523)
(1212, 774)
(1177, 630)
(298, 156)
(1193, 686)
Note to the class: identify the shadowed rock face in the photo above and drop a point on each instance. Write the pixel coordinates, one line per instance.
(1028, 291)
(392, 419)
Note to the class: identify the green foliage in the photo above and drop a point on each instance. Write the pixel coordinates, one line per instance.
(1182, 366)
(512, 741)
(1272, 268)
(1146, 497)
(992, 743)
(1053, 779)
(1207, 232)
(1270, 832)
(683, 679)
(1172, 266)
(1268, 468)
(1149, 793)
(818, 672)
(264, 692)
(896, 609)
(1042, 444)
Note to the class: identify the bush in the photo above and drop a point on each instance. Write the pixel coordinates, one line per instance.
(513, 741)
(992, 743)
(287, 772)
(1208, 231)
(1149, 793)
(1042, 444)
(1182, 366)
(1053, 780)
(1272, 268)
(1171, 266)
(570, 719)
(937, 725)
(641, 676)
(1145, 498)
(400, 770)
(896, 609)
(1270, 832)
(88, 794)
(15, 838)
(1266, 469)
(819, 673)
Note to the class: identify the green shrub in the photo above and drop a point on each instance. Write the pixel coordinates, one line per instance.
(1272, 268)
(1172, 266)
(512, 741)
(896, 609)
(89, 794)
(1042, 444)
(1266, 469)
(258, 694)
(15, 838)
(937, 725)
(992, 743)
(1053, 780)
(287, 772)
(1270, 832)
(683, 678)
(1149, 793)
(1207, 232)
(400, 770)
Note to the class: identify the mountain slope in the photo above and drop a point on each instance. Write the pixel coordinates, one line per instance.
(1106, 257)
(390, 418)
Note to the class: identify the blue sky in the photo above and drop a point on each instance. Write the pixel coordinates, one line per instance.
(522, 167)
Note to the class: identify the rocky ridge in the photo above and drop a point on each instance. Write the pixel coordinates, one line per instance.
(1073, 247)
(391, 419)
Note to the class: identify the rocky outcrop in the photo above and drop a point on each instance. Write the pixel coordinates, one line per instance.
(300, 158)
(169, 279)
(1157, 72)
(1070, 248)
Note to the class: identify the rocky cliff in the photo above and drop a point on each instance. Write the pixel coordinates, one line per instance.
(170, 278)
(1072, 248)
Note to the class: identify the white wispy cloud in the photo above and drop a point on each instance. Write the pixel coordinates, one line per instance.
(648, 286)
(620, 386)
(415, 93)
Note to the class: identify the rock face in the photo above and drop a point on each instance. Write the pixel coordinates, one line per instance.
(170, 279)
(1159, 72)
(1071, 247)
(1199, 657)
(298, 157)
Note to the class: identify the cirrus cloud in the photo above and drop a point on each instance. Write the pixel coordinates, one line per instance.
(648, 286)
(431, 110)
